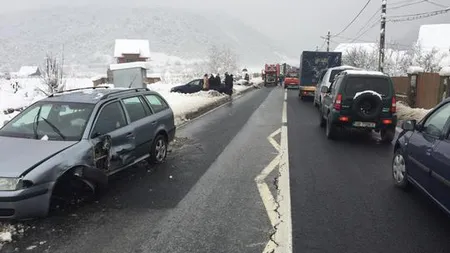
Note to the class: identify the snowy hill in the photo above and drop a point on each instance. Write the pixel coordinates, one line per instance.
(88, 34)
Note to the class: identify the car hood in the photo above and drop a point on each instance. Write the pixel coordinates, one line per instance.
(17, 155)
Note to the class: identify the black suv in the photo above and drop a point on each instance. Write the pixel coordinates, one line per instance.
(360, 99)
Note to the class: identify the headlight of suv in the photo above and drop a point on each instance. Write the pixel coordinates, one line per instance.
(10, 184)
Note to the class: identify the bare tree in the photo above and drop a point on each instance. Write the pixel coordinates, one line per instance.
(222, 59)
(361, 58)
(52, 74)
(429, 60)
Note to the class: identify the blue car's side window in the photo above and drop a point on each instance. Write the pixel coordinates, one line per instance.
(435, 124)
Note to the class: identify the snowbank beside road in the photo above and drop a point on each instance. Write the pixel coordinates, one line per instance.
(187, 106)
(183, 105)
(404, 112)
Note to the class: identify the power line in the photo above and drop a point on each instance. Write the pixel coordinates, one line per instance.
(400, 2)
(345, 29)
(436, 4)
(407, 4)
(368, 21)
(366, 31)
(410, 17)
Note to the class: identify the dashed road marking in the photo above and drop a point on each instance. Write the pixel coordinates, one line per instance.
(279, 208)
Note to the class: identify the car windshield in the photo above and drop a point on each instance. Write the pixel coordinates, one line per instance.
(50, 121)
(358, 84)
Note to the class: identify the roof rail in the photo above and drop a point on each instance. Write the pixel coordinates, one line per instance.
(124, 91)
(77, 89)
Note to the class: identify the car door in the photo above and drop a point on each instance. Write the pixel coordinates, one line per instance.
(327, 102)
(421, 145)
(164, 116)
(196, 86)
(143, 123)
(111, 121)
(439, 156)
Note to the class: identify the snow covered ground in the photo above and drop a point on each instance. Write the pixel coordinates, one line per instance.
(183, 104)
(404, 112)
(30, 91)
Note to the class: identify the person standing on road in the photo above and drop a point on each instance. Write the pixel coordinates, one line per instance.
(205, 82)
(231, 85)
(212, 82)
(218, 81)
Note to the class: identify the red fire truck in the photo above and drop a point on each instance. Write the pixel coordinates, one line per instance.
(271, 74)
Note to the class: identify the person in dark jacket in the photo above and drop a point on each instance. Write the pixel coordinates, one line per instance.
(229, 85)
(212, 82)
(218, 81)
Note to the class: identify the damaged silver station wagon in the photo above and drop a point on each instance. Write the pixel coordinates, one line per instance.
(74, 140)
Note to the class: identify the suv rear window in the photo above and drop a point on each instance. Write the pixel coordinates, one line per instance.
(355, 84)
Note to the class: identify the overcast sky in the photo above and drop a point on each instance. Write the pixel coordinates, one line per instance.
(298, 23)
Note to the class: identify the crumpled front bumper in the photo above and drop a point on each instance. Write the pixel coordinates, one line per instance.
(26, 203)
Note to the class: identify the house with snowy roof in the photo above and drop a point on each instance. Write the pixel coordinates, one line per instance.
(436, 37)
(29, 71)
(126, 50)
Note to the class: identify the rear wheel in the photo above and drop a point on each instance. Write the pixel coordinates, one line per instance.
(387, 135)
(158, 151)
(331, 129)
(322, 121)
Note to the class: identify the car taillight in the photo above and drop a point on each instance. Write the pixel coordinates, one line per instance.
(394, 105)
(338, 102)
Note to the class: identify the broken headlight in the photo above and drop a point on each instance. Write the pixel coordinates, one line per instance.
(10, 183)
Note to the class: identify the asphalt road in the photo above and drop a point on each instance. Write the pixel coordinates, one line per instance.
(203, 199)
(343, 199)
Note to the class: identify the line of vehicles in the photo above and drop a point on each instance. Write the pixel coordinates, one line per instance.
(353, 98)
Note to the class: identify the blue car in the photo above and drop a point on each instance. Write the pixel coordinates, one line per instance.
(422, 155)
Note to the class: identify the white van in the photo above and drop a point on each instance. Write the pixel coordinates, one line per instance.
(327, 77)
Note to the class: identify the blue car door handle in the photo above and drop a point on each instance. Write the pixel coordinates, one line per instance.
(154, 122)
(130, 135)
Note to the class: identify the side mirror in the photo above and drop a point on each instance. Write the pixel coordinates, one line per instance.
(409, 125)
(324, 89)
(95, 135)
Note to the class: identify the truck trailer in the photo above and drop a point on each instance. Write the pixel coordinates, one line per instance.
(312, 63)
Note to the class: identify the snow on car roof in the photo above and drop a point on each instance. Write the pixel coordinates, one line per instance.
(364, 72)
(343, 67)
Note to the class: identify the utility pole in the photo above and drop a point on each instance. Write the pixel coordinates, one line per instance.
(328, 41)
(317, 48)
(382, 35)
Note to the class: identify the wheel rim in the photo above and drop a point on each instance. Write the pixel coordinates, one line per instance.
(160, 150)
(399, 168)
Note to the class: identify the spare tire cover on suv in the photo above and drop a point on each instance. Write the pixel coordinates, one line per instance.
(367, 105)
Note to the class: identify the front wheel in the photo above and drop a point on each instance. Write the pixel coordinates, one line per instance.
(399, 170)
(158, 151)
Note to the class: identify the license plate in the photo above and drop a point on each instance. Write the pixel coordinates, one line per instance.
(364, 124)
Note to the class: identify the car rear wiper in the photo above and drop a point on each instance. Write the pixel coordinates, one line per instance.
(54, 128)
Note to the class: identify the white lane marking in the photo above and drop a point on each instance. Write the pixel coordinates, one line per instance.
(272, 140)
(279, 210)
(284, 235)
(264, 191)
